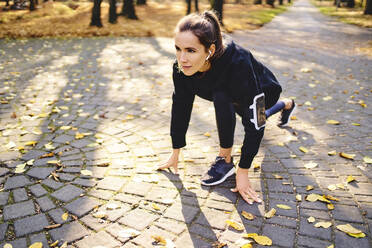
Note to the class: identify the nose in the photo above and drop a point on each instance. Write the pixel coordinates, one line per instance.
(183, 57)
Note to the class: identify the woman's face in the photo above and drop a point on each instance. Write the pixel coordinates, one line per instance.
(190, 53)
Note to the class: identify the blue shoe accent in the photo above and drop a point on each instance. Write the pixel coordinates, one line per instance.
(219, 171)
(285, 117)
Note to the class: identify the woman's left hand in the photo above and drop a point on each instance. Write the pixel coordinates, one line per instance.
(243, 186)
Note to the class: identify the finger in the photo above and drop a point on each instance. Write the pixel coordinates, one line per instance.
(234, 190)
(245, 197)
(254, 195)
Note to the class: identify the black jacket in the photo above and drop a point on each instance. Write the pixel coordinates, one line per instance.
(236, 73)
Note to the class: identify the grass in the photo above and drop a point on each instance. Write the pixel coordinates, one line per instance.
(157, 18)
(347, 15)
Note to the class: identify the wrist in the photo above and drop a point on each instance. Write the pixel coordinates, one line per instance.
(242, 170)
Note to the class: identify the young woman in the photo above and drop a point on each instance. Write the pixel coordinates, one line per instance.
(216, 69)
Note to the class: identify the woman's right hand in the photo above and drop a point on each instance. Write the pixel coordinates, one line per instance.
(172, 161)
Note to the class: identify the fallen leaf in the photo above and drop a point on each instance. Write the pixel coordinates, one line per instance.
(49, 146)
(156, 207)
(31, 143)
(323, 199)
(303, 149)
(340, 186)
(332, 153)
(54, 244)
(327, 98)
(100, 215)
(332, 187)
(367, 160)
(207, 134)
(324, 224)
(307, 103)
(64, 216)
(350, 179)
(86, 172)
(280, 144)
(333, 122)
(263, 240)
(247, 215)
(270, 214)
(347, 228)
(298, 197)
(282, 206)
(330, 206)
(256, 166)
(311, 219)
(355, 124)
(65, 127)
(128, 233)
(64, 245)
(159, 239)
(30, 162)
(250, 235)
(53, 226)
(248, 245)
(346, 155)
(7, 245)
(235, 225)
(358, 235)
(47, 155)
(329, 197)
(311, 165)
(36, 245)
(312, 197)
(306, 70)
(112, 206)
(218, 244)
(278, 176)
(309, 187)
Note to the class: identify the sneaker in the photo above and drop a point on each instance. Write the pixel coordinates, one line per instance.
(219, 171)
(285, 117)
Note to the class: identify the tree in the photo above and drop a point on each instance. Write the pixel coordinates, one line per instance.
(112, 12)
(217, 5)
(141, 2)
(368, 9)
(32, 5)
(128, 10)
(280, 2)
(257, 2)
(96, 14)
(189, 6)
(270, 2)
(350, 3)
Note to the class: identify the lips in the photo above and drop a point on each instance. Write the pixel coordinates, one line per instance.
(186, 67)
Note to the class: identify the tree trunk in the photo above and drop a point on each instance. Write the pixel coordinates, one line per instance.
(350, 4)
(96, 14)
(7, 3)
(128, 10)
(188, 2)
(280, 2)
(32, 5)
(368, 9)
(141, 2)
(257, 2)
(112, 12)
(289, 1)
(217, 5)
(196, 5)
(270, 2)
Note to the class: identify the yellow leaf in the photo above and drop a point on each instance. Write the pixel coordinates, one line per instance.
(79, 135)
(298, 197)
(235, 225)
(250, 235)
(248, 245)
(355, 124)
(306, 70)
(332, 153)
(280, 144)
(332, 187)
(36, 245)
(312, 197)
(156, 207)
(86, 172)
(357, 235)
(303, 149)
(307, 103)
(330, 206)
(350, 178)
(129, 117)
(31, 143)
(54, 244)
(324, 224)
(278, 176)
(323, 199)
(256, 166)
(309, 187)
(347, 228)
(333, 122)
(53, 162)
(100, 215)
(49, 146)
(30, 162)
(367, 160)
(329, 197)
(7, 245)
(311, 219)
(311, 165)
(247, 215)
(340, 186)
(65, 128)
(263, 240)
(346, 155)
(207, 134)
(159, 239)
(282, 206)
(64, 216)
(293, 117)
(270, 214)
(331, 246)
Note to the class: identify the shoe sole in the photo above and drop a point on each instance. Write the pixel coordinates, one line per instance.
(230, 173)
(289, 118)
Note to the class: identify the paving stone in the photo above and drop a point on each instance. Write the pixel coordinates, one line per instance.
(73, 163)
(211, 218)
(170, 225)
(131, 219)
(283, 221)
(40, 172)
(3, 229)
(276, 185)
(324, 215)
(226, 206)
(303, 180)
(181, 212)
(52, 184)
(3, 171)
(67, 193)
(37, 190)
(344, 240)
(111, 183)
(312, 242)
(84, 182)
(137, 188)
(101, 238)
(284, 212)
(20, 195)
(145, 238)
(81, 206)
(66, 177)
(18, 210)
(16, 182)
(361, 188)
(127, 198)
(30, 224)
(40, 237)
(204, 232)
(309, 230)
(114, 214)
(101, 194)
(69, 232)
(115, 229)
(94, 223)
(347, 213)
(63, 138)
(45, 203)
(280, 236)
(159, 194)
(56, 215)
(191, 240)
(4, 196)
(22, 242)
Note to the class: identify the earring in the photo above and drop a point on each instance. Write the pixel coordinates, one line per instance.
(210, 53)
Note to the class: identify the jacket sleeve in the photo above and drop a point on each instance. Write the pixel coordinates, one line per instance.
(183, 100)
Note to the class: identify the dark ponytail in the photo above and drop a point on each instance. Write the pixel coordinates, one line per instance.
(207, 28)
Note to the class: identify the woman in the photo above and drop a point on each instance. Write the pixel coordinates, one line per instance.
(221, 71)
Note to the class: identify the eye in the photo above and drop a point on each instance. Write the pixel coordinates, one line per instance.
(177, 48)
(190, 50)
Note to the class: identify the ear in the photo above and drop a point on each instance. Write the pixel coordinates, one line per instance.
(212, 48)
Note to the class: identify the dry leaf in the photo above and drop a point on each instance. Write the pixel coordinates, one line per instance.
(47, 155)
(30, 162)
(218, 244)
(64, 245)
(311, 219)
(207, 134)
(280, 144)
(346, 155)
(332, 187)
(324, 224)
(340, 186)
(331, 246)
(332, 153)
(278, 176)
(298, 197)
(293, 117)
(156, 207)
(7, 245)
(250, 235)
(309, 187)
(53, 226)
(303, 149)
(282, 206)
(306, 70)
(235, 225)
(256, 166)
(323, 199)
(49, 146)
(358, 235)
(367, 160)
(312, 197)
(64, 216)
(333, 122)
(112, 206)
(263, 240)
(86, 172)
(36, 245)
(311, 165)
(247, 215)
(31, 143)
(100, 215)
(329, 197)
(54, 244)
(330, 206)
(350, 179)
(159, 239)
(128, 233)
(270, 214)
(355, 124)
(347, 228)
(65, 127)
(248, 245)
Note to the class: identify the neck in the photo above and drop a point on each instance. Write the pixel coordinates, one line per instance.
(206, 66)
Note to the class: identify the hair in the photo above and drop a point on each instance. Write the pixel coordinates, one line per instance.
(207, 28)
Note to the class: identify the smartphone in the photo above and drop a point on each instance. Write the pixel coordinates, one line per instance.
(258, 108)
